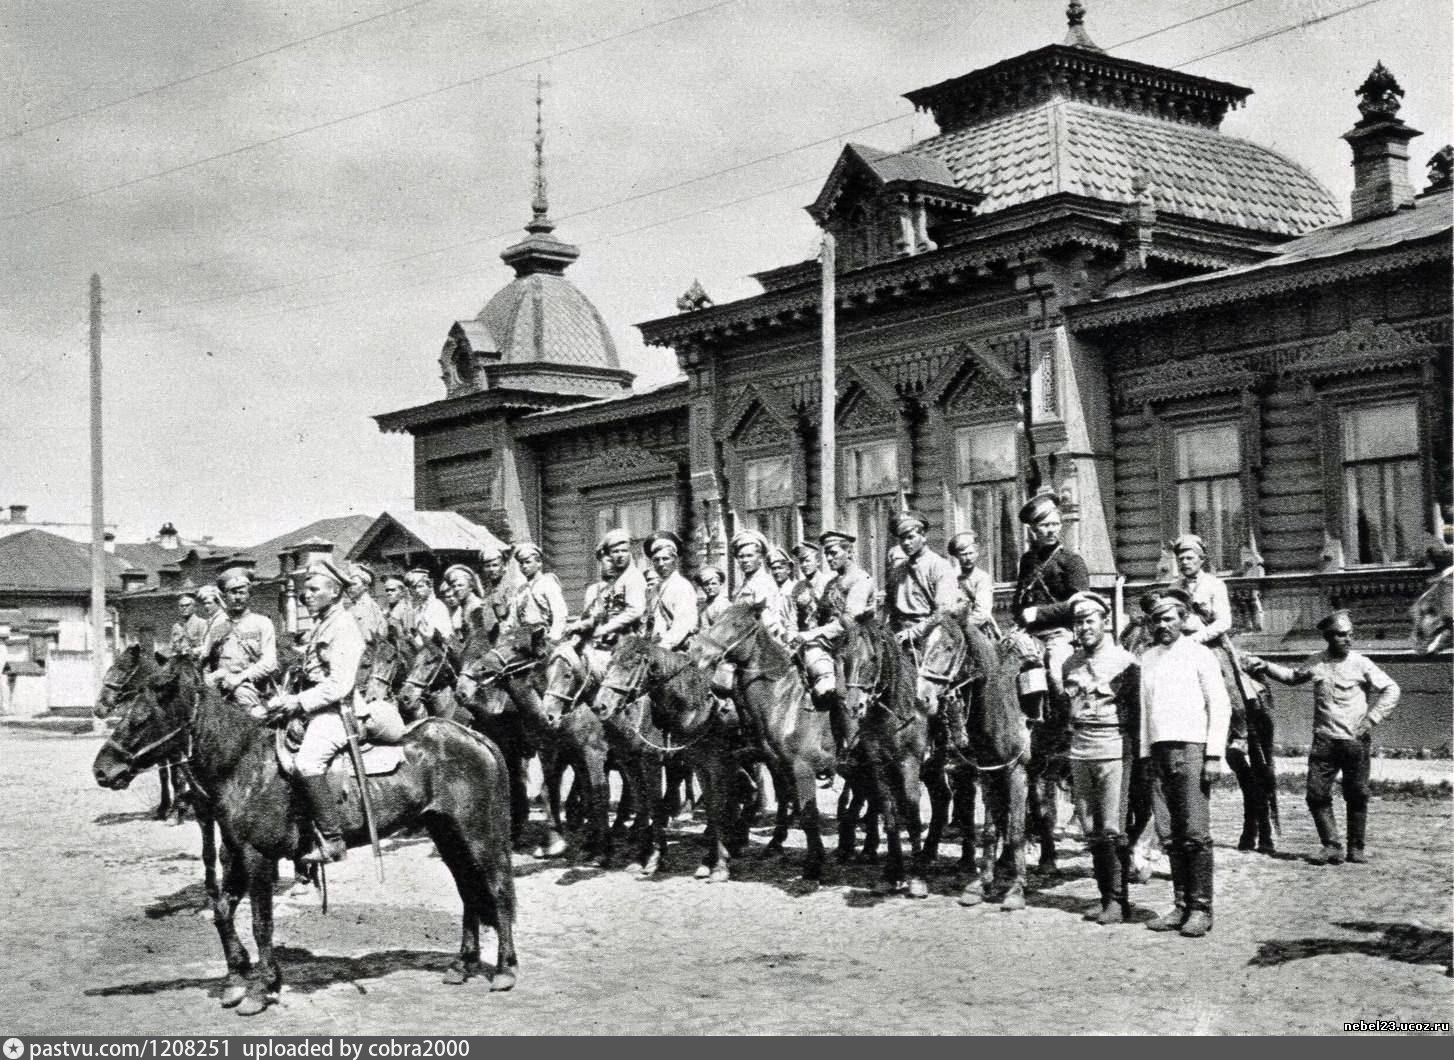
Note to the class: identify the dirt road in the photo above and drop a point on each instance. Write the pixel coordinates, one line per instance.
(101, 930)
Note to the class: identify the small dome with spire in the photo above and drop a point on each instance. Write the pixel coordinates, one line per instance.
(538, 331)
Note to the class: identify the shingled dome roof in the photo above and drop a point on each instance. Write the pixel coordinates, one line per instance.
(1067, 146)
(542, 316)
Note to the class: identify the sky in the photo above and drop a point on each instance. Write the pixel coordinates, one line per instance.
(285, 233)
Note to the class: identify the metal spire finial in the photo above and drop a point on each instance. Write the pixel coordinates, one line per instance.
(1075, 19)
(540, 204)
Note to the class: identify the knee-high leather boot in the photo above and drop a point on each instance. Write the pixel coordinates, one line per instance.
(1327, 826)
(1176, 916)
(1357, 827)
(1200, 865)
(1113, 881)
(324, 809)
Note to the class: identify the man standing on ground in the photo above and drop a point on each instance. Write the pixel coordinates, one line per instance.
(1184, 717)
(1344, 681)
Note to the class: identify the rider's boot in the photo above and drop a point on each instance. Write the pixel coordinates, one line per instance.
(1357, 827)
(331, 846)
(1199, 864)
(1176, 916)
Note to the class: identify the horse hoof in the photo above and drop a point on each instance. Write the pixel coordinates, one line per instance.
(971, 896)
(703, 871)
(635, 869)
(502, 981)
(1047, 866)
(1012, 902)
(885, 887)
(652, 866)
(233, 993)
(554, 849)
(253, 1004)
(719, 875)
(773, 850)
(460, 972)
(918, 888)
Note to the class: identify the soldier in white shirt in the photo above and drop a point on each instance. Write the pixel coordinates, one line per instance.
(672, 613)
(1184, 717)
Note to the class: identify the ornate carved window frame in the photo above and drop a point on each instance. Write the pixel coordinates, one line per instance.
(1332, 395)
(1241, 406)
(742, 441)
(630, 473)
(861, 384)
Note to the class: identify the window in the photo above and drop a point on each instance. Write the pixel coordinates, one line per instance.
(870, 489)
(1382, 496)
(768, 504)
(638, 517)
(1209, 490)
(986, 497)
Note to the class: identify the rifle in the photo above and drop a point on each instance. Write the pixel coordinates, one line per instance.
(355, 754)
(1256, 752)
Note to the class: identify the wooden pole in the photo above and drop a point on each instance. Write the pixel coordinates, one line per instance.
(827, 442)
(98, 521)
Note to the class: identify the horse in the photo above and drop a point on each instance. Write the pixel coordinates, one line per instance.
(974, 686)
(1432, 615)
(631, 744)
(685, 717)
(175, 793)
(450, 780)
(776, 716)
(892, 728)
(946, 671)
(393, 658)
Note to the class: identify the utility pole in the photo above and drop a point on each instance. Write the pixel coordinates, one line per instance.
(98, 520)
(827, 442)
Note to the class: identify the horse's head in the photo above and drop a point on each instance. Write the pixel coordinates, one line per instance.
(861, 662)
(152, 726)
(390, 665)
(431, 671)
(727, 638)
(486, 669)
(625, 678)
(941, 663)
(1433, 615)
(566, 681)
(125, 678)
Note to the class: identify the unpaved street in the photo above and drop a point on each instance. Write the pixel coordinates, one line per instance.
(101, 931)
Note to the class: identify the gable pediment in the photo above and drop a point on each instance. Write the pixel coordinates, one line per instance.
(758, 415)
(973, 381)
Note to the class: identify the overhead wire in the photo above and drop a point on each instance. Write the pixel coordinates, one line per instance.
(354, 115)
(597, 208)
(15, 134)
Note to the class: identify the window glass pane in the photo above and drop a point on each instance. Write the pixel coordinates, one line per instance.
(773, 523)
(769, 482)
(1212, 508)
(1383, 506)
(984, 453)
(991, 512)
(873, 468)
(1382, 431)
(666, 514)
(1203, 451)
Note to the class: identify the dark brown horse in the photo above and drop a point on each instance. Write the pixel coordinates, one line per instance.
(980, 680)
(892, 727)
(688, 732)
(176, 795)
(451, 780)
(777, 718)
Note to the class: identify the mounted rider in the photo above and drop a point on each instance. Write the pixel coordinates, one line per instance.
(538, 606)
(360, 602)
(400, 612)
(922, 585)
(1050, 574)
(847, 597)
(498, 588)
(430, 613)
(671, 618)
(712, 582)
(750, 550)
(190, 629)
(619, 606)
(808, 589)
(464, 594)
(976, 587)
(244, 659)
(331, 657)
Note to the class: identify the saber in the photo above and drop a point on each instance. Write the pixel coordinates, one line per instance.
(350, 729)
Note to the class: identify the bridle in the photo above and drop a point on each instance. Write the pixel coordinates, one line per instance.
(579, 671)
(185, 728)
(423, 685)
(504, 672)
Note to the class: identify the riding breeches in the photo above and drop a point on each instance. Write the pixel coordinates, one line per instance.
(1059, 646)
(818, 662)
(323, 740)
(1101, 788)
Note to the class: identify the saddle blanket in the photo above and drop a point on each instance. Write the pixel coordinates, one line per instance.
(380, 759)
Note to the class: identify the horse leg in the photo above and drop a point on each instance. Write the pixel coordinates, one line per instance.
(783, 796)
(1040, 794)
(261, 872)
(716, 860)
(1012, 855)
(647, 783)
(962, 784)
(518, 765)
(661, 815)
(224, 901)
(908, 792)
(869, 853)
(495, 887)
(552, 765)
(459, 860)
(936, 780)
(597, 783)
(883, 801)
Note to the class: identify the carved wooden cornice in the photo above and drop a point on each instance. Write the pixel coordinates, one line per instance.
(628, 464)
(1364, 347)
(1240, 285)
(670, 398)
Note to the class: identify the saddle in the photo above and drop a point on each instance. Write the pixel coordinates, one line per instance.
(380, 759)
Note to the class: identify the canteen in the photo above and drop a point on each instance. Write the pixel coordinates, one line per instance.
(723, 678)
(1031, 682)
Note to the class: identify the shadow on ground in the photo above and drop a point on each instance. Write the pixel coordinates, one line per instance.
(1409, 943)
(303, 971)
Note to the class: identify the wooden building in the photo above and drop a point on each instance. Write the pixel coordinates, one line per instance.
(1081, 283)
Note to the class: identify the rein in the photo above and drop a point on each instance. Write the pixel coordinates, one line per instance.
(429, 682)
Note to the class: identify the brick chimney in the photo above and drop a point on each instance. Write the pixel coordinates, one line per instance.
(17, 512)
(1380, 143)
(167, 537)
